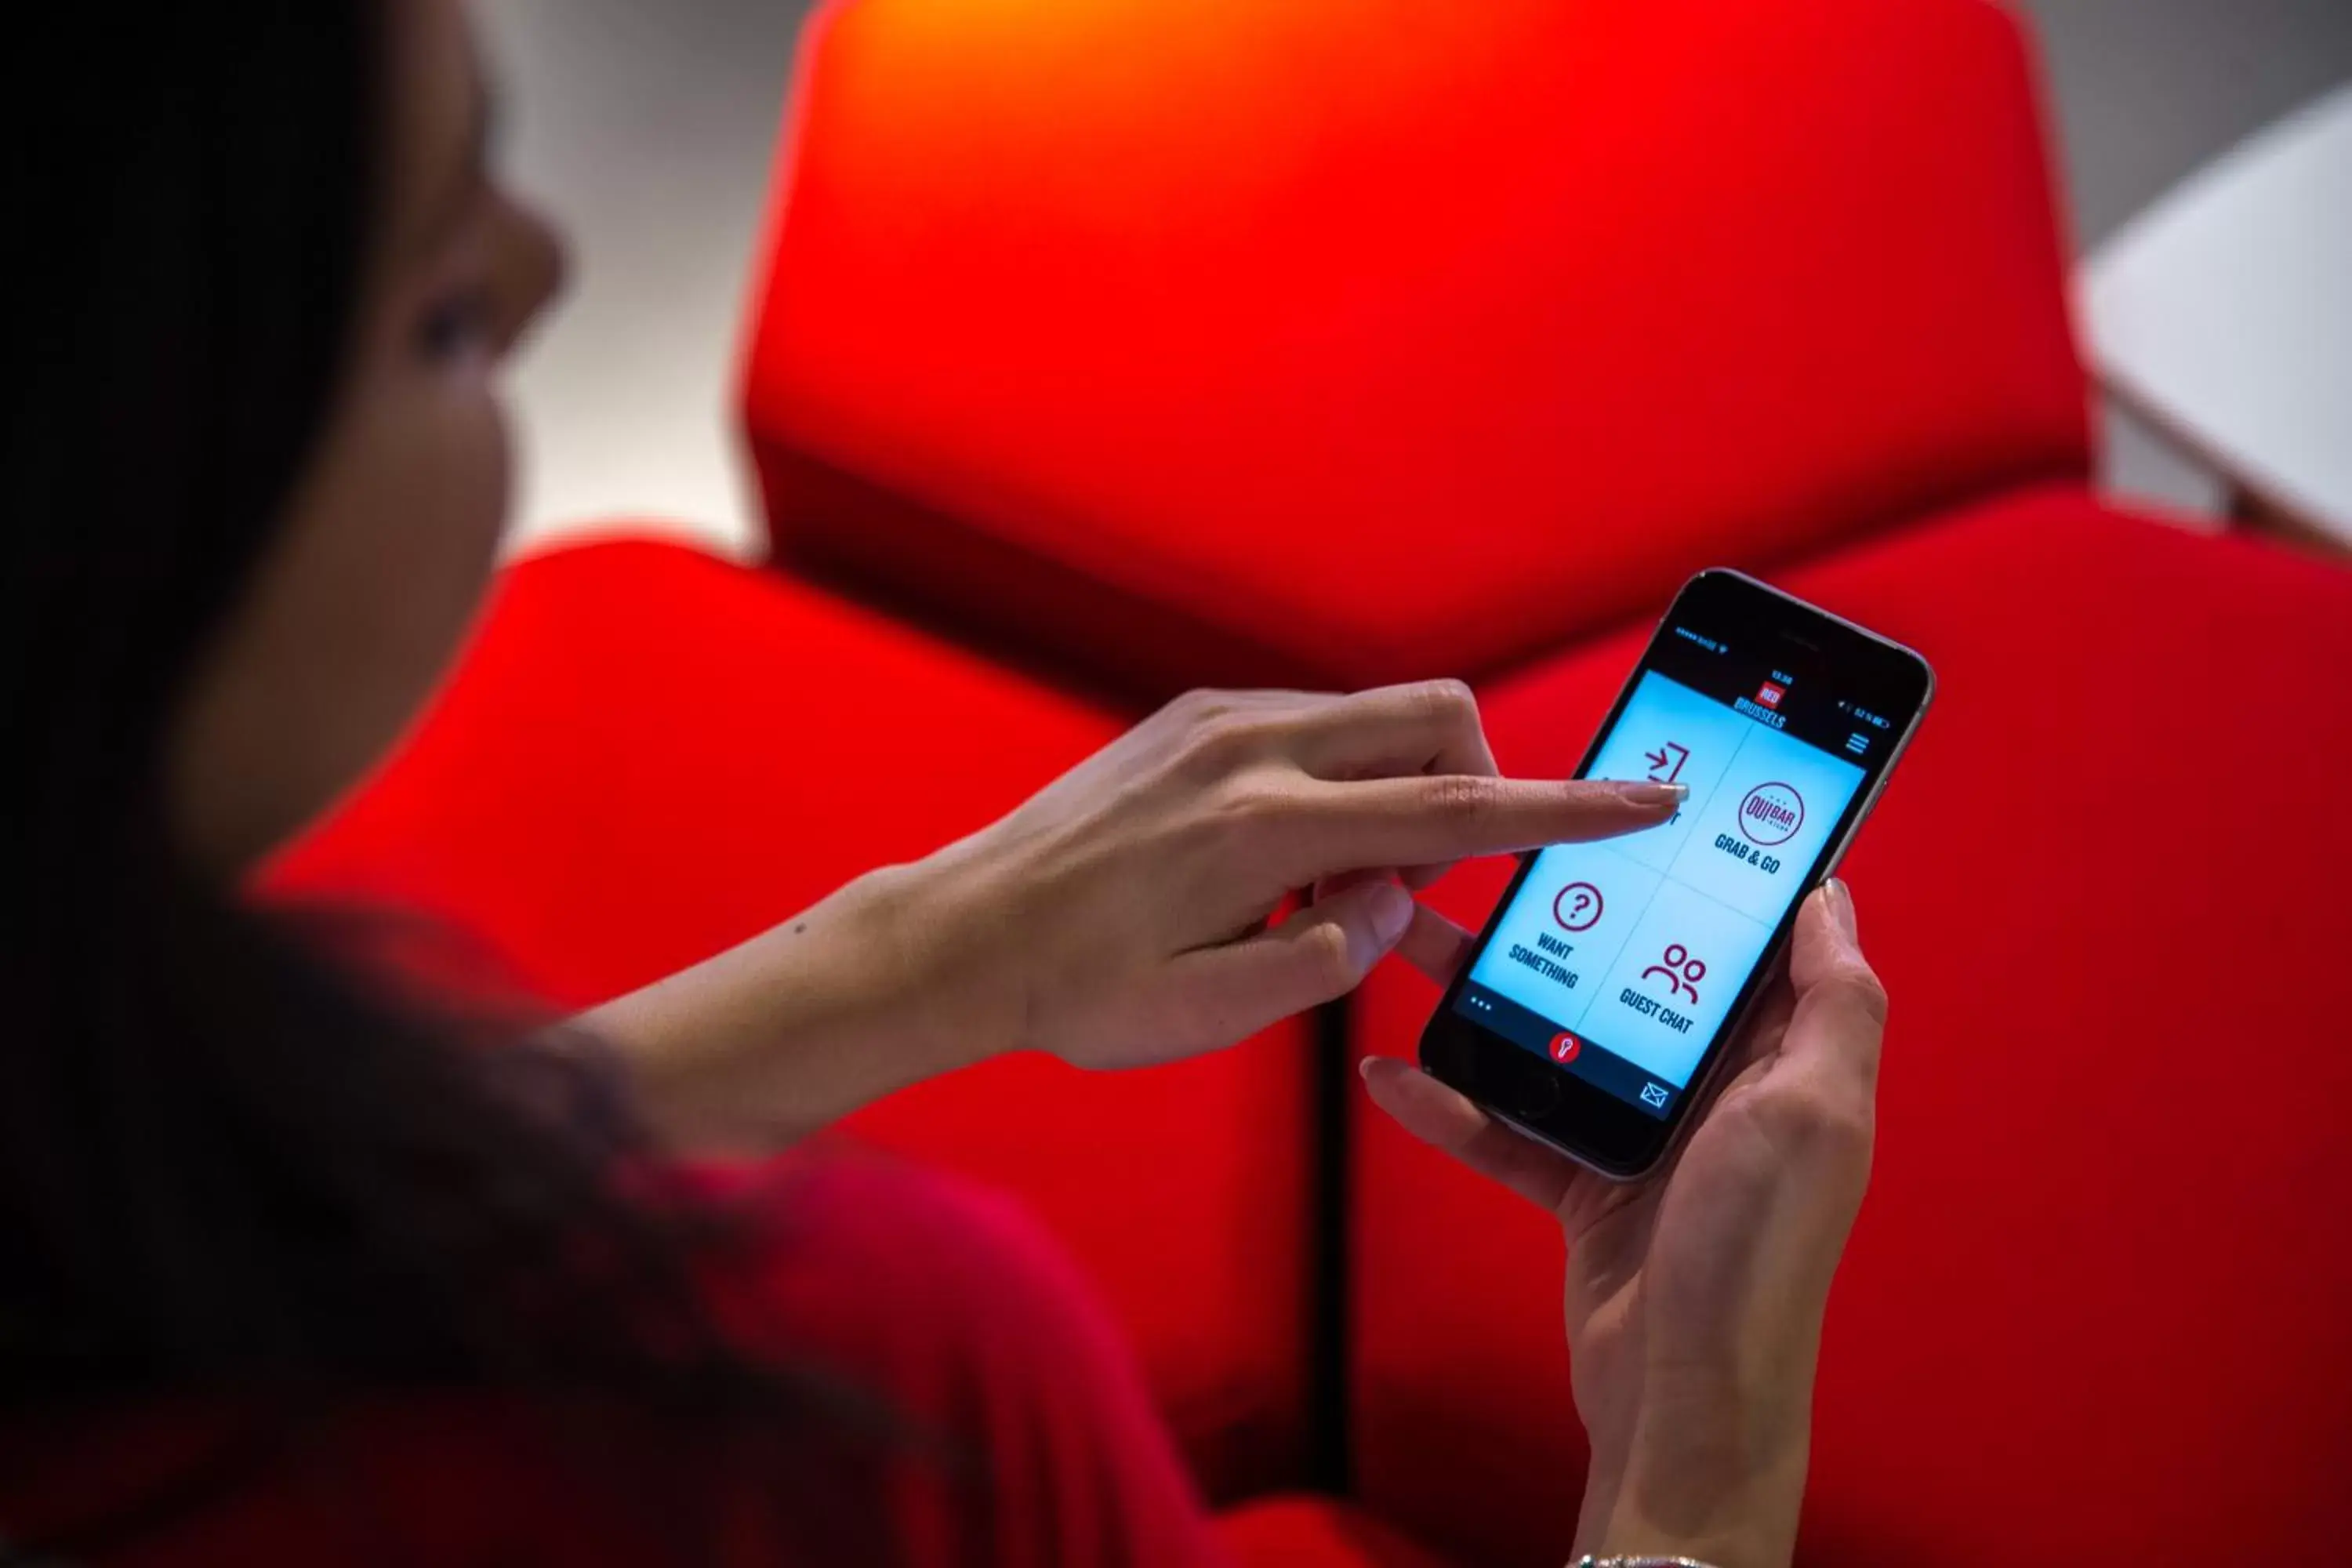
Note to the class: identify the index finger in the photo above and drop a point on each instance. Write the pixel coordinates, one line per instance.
(1426, 727)
(1427, 820)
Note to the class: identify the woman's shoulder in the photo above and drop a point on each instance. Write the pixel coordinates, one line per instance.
(864, 1255)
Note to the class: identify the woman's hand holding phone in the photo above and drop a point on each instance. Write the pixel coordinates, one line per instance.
(1695, 1300)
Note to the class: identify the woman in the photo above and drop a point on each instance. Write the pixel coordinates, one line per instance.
(290, 1268)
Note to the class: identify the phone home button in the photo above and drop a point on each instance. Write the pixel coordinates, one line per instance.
(1537, 1095)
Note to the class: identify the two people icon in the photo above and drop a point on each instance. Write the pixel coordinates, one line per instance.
(1681, 971)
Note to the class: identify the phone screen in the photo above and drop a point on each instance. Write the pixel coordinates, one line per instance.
(1622, 961)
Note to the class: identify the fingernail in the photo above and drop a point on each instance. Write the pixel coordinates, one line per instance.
(1364, 1069)
(1841, 907)
(1391, 911)
(1652, 796)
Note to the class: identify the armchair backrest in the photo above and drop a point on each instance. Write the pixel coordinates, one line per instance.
(1350, 340)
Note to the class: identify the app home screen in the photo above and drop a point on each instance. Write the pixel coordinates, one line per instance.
(1622, 959)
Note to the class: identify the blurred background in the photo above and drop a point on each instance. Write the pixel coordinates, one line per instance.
(650, 131)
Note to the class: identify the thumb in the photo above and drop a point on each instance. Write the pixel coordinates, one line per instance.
(1323, 951)
(1838, 1021)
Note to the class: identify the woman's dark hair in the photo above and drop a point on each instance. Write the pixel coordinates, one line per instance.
(226, 1158)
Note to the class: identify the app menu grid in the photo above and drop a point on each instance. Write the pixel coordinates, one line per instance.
(1642, 943)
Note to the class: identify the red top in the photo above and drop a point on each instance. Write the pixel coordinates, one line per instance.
(945, 1301)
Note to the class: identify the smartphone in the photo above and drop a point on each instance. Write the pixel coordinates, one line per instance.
(1611, 976)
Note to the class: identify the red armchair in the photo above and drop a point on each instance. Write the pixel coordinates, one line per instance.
(649, 756)
(1131, 344)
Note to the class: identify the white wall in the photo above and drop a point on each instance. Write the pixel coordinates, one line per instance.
(645, 127)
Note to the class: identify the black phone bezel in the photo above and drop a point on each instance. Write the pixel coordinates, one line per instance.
(1541, 1097)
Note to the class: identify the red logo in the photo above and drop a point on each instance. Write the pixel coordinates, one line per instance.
(1771, 815)
(1564, 1048)
(1770, 695)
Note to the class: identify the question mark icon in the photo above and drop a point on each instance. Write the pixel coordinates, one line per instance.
(1577, 906)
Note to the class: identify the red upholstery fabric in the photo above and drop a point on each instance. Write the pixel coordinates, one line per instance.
(649, 756)
(1350, 340)
(2095, 1307)
(1315, 1533)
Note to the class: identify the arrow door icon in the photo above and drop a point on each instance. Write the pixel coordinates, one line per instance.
(1666, 761)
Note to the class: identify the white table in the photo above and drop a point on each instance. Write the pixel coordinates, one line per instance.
(2222, 316)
